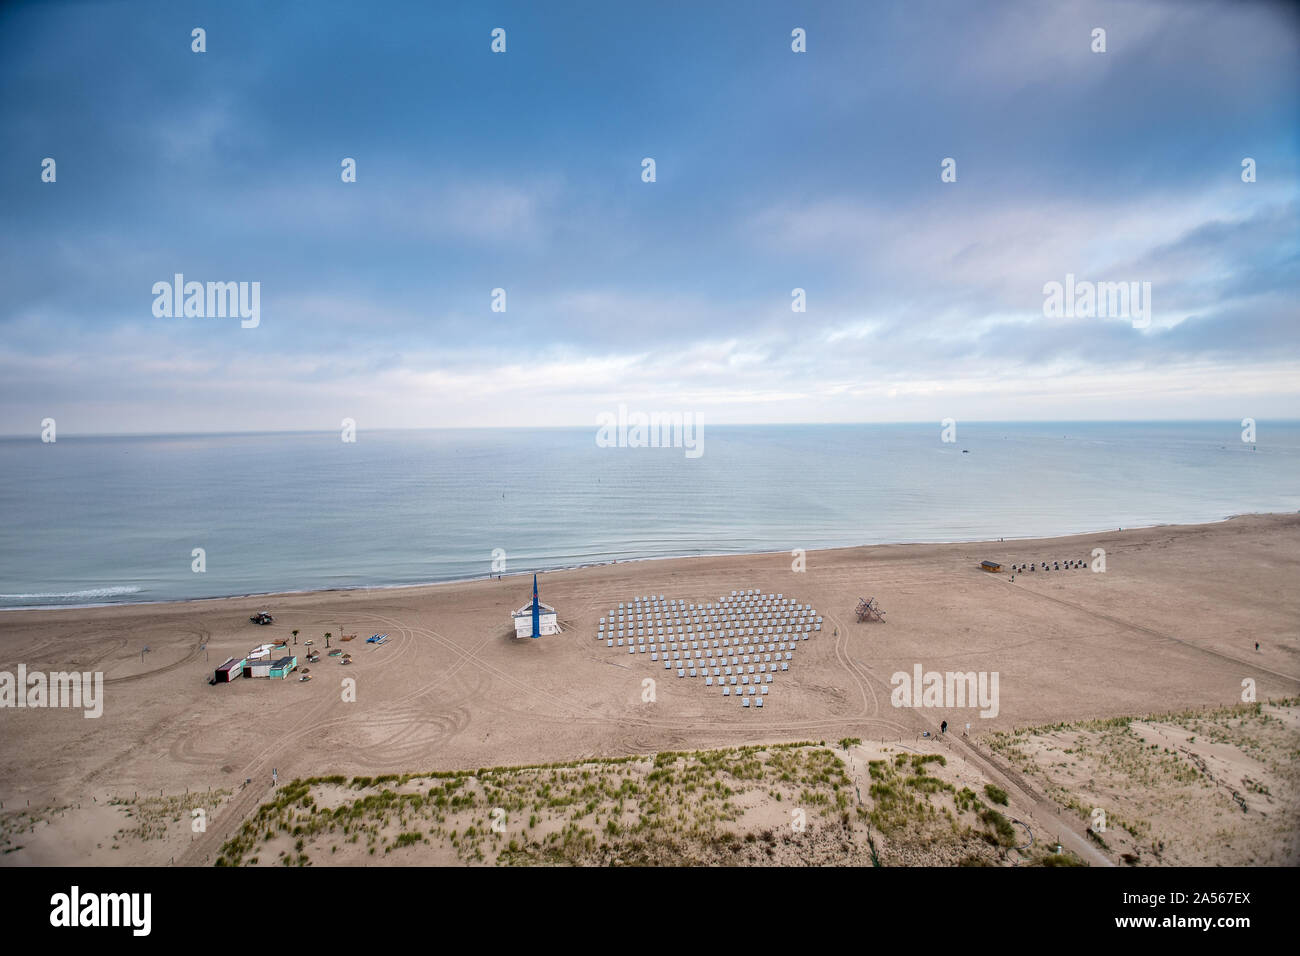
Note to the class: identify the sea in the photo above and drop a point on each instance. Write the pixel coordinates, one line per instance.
(110, 520)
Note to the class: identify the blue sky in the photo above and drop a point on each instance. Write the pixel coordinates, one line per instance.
(522, 170)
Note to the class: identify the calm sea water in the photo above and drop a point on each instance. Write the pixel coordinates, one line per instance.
(109, 520)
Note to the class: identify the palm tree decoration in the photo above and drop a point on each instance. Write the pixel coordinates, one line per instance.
(327, 639)
(295, 637)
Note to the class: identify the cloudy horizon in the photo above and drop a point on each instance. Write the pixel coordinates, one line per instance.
(523, 171)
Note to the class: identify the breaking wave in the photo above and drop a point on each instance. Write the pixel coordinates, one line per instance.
(71, 597)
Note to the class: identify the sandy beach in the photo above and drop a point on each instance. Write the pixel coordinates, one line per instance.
(1170, 626)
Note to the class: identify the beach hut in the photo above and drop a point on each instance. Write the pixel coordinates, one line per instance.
(535, 619)
(231, 669)
(259, 667)
(990, 566)
(283, 667)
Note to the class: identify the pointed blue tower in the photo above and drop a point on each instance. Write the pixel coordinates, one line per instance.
(537, 611)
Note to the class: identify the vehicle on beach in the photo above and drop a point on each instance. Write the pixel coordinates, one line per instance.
(377, 639)
(262, 617)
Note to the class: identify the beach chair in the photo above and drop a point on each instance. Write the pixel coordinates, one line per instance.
(726, 691)
(785, 667)
(764, 689)
(759, 702)
(681, 672)
(654, 656)
(767, 678)
(745, 702)
(752, 691)
(668, 665)
(708, 682)
(610, 643)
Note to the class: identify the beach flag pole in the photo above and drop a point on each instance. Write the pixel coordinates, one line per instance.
(537, 611)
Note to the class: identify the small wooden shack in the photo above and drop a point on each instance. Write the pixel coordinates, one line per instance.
(991, 566)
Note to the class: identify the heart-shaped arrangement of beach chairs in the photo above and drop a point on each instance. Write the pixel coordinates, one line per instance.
(737, 646)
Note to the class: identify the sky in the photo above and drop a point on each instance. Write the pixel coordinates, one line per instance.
(522, 170)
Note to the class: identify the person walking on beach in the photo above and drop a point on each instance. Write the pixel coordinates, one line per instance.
(1257, 647)
(943, 727)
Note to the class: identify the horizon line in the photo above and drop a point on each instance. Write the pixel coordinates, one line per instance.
(423, 428)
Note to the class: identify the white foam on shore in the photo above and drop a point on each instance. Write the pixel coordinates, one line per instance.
(88, 594)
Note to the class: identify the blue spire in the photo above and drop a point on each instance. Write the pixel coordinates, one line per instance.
(537, 611)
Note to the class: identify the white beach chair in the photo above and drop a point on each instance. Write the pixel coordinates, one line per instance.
(759, 702)
(745, 702)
